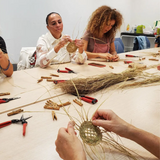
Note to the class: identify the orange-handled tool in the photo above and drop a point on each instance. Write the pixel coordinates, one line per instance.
(24, 122)
(129, 55)
(9, 122)
(5, 100)
(126, 62)
(24, 128)
(67, 70)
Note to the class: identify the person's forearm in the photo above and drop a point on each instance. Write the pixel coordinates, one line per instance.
(145, 139)
(57, 48)
(7, 67)
(4, 61)
(9, 72)
(114, 53)
(80, 50)
(92, 55)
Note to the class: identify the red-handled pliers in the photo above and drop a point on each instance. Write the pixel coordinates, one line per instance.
(5, 100)
(67, 70)
(87, 99)
(58, 81)
(127, 62)
(22, 120)
(129, 55)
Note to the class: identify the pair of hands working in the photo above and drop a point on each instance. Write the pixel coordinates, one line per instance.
(109, 57)
(70, 147)
(65, 39)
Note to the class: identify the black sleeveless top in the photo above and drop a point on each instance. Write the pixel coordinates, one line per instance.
(3, 45)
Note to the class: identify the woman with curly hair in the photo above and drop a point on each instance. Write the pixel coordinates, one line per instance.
(99, 36)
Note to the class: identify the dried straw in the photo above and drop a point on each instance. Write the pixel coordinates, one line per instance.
(146, 80)
(94, 84)
(90, 134)
(97, 141)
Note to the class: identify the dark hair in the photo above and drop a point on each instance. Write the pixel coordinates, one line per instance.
(49, 15)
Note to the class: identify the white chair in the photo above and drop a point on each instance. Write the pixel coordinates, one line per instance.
(25, 54)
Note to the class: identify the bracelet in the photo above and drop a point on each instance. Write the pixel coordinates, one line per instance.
(7, 66)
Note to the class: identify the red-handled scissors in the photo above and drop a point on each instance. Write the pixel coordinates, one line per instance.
(24, 122)
(129, 55)
(67, 70)
(127, 62)
(21, 120)
(5, 100)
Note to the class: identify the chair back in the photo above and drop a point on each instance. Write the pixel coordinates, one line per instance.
(141, 42)
(119, 46)
(26, 54)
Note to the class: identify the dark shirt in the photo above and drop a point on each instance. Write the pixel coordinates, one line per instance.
(3, 45)
(157, 41)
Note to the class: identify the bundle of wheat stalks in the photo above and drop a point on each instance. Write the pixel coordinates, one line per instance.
(89, 85)
(94, 84)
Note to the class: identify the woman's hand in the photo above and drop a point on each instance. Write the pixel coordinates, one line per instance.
(115, 58)
(68, 145)
(111, 122)
(64, 40)
(79, 43)
(106, 56)
(109, 57)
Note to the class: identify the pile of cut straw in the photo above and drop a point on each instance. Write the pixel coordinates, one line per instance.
(94, 84)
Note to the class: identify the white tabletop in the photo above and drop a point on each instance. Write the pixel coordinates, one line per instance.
(138, 106)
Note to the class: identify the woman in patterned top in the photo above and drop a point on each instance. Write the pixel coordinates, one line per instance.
(51, 47)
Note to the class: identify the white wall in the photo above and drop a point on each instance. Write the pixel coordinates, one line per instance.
(23, 21)
(145, 11)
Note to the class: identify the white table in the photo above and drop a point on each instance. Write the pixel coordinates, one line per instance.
(139, 106)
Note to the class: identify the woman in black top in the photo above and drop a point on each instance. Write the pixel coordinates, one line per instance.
(5, 66)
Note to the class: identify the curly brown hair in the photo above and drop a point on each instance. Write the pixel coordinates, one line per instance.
(102, 16)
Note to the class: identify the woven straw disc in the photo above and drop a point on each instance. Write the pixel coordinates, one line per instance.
(71, 47)
(90, 134)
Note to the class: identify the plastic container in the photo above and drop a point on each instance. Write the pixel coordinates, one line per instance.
(140, 29)
(128, 28)
(158, 30)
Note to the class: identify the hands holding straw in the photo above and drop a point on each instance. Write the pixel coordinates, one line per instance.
(69, 146)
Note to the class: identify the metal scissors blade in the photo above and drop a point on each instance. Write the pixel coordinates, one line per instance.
(23, 119)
